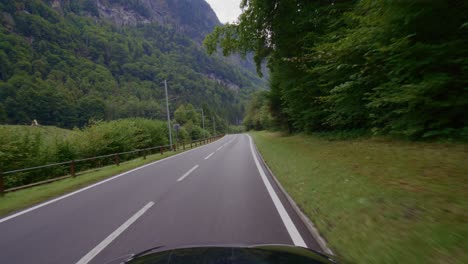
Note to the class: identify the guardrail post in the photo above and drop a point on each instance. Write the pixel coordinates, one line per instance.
(184, 145)
(117, 159)
(161, 150)
(144, 154)
(2, 184)
(72, 168)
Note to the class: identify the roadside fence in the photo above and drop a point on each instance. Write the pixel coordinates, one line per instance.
(74, 168)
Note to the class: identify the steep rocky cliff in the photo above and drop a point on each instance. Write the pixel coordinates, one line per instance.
(194, 18)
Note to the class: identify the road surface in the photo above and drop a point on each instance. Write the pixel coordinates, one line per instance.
(217, 194)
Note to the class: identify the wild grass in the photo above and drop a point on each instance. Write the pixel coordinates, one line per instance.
(14, 201)
(377, 200)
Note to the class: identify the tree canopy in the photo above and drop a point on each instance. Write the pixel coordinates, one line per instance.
(389, 67)
(67, 68)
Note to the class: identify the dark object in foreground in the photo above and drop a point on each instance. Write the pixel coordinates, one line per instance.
(261, 254)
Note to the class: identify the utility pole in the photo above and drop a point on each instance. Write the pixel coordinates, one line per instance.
(203, 122)
(168, 115)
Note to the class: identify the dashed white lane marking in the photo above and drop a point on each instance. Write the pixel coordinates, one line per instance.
(95, 251)
(209, 156)
(187, 173)
(91, 186)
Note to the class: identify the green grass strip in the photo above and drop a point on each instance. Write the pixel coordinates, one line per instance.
(377, 200)
(14, 201)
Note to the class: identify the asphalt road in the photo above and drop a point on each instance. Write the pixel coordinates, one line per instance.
(217, 194)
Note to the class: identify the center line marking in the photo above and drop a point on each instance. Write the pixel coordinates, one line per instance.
(95, 251)
(209, 156)
(187, 173)
(220, 148)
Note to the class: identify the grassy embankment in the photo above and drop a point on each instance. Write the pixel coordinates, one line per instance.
(21, 199)
(377, 200)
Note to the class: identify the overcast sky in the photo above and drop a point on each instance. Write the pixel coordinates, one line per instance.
(226, 10)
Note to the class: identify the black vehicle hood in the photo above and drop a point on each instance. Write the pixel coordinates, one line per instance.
(261, 254)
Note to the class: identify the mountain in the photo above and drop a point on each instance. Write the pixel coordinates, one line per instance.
(66, 62)
(193, 18)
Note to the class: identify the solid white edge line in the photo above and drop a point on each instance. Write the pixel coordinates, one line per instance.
(209, 156)
(287, 221)
(101, 246)
(94, 185)
(187, 173)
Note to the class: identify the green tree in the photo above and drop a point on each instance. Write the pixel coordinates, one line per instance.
(392, 67)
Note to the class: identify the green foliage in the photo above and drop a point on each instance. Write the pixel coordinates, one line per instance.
(236, 129)
(66, 69)
(120, 136)
(258, 114)
(389, 67)
(401, 201)
(190, 121)
(24, 147)
(186, 113)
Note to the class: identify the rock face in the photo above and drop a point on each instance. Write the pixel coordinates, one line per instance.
(193, 18)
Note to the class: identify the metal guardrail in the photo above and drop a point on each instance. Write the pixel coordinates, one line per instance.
(72, 163)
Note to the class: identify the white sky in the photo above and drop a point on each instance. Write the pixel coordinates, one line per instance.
(226, 10)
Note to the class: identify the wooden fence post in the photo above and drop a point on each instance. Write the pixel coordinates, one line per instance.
(72, 168)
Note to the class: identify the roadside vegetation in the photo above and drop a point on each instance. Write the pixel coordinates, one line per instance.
(343, 75)
(21, 199)
(377, 200)
(383, 67)
(65, 67)
(30, 146)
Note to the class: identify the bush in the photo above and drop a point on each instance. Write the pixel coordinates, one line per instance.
(24, 147)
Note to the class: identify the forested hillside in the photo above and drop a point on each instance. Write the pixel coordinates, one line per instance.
(64, 63)
(381, 67)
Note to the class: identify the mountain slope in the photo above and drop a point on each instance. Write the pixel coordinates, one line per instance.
(193, 18)
(63, 63)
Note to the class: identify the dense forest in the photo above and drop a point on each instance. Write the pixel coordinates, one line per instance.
(376, 66)
(67, 67)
